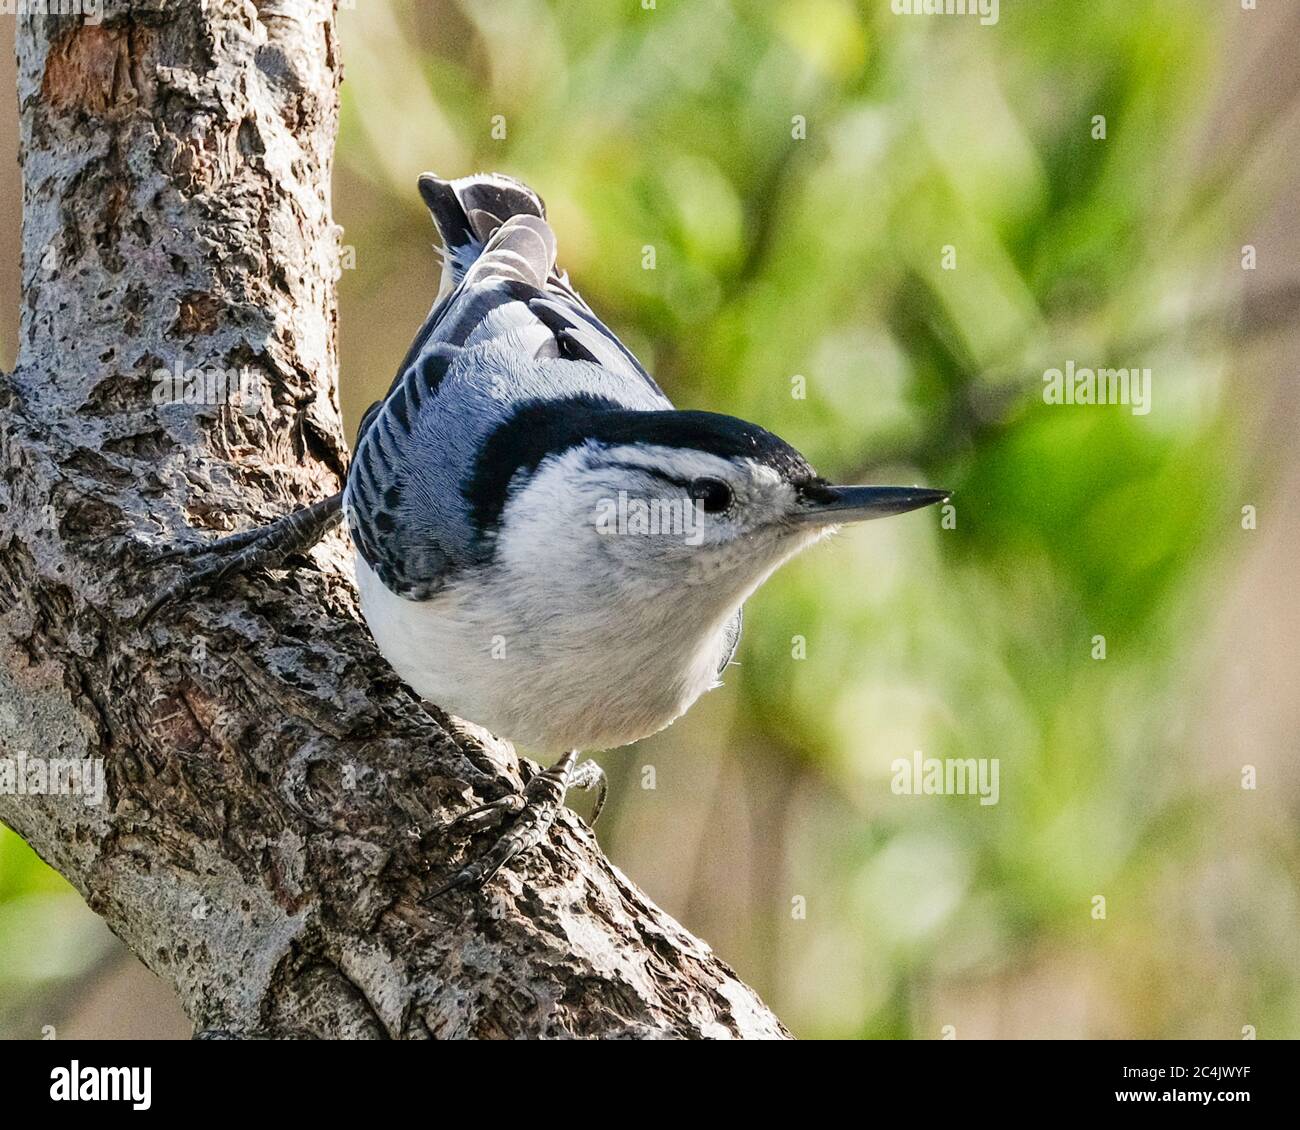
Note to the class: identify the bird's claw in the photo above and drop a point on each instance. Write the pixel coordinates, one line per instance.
(263, 546)
(486, 815)
(587, 776)
(214, 561)
(533, 812)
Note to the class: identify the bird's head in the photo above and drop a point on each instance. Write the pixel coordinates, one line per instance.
(660, 500)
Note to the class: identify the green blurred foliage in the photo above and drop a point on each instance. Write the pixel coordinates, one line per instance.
(47, 936)
(671, 130)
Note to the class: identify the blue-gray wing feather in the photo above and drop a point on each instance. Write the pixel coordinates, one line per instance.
(510, 331)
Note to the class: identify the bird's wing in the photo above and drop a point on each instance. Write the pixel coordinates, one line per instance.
(517, 293)
(377, 490)
(509, 328)
(467, 213)
(579, 334)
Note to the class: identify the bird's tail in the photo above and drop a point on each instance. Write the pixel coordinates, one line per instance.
(468, 212)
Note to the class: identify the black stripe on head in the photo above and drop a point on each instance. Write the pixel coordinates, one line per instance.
(542, 428)
(711, 432)
(535, 430)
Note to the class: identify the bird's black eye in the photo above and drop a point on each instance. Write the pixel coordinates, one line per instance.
(712, 494)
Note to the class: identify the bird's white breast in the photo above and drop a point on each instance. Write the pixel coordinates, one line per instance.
(495, 650)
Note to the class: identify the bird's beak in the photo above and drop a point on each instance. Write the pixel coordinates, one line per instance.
(830, 506)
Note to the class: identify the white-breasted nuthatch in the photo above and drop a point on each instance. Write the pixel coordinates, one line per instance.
(544, 545)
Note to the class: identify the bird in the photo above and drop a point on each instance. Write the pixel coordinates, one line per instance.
(544, 545)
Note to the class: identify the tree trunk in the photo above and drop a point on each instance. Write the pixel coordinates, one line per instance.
(269, 829)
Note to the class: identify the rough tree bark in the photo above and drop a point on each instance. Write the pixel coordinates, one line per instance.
(269, 828)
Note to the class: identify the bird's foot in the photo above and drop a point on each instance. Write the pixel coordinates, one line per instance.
(586, 777)
(533, 812)
(264, 547)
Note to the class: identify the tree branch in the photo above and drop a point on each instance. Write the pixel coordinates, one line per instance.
(269, 828)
